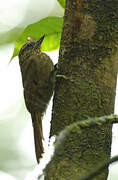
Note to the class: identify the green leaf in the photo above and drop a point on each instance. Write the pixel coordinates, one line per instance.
(50, 26)
(62, 3)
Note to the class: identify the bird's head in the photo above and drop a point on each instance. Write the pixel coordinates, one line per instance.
(31, 48)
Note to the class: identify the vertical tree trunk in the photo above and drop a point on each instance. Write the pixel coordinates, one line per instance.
(88, 65)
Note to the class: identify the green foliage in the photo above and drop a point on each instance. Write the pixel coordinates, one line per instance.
(50, 26)
(10, 36)
(62, 3)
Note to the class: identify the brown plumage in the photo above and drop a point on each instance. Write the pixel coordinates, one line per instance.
(38, 77)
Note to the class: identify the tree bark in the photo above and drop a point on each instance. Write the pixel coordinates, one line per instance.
(85, 87)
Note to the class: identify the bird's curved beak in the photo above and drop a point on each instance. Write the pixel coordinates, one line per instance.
(39, 42)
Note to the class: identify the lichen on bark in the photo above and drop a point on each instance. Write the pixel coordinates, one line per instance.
(88, 61)
(72, 159)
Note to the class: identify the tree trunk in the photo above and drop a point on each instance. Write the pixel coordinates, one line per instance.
(85, 87)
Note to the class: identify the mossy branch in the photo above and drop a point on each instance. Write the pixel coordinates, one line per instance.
(99, 169)
(71, 147)
(85, 87)
(88, 123)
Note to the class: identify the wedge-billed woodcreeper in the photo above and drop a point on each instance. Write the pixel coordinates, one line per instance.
(38, 77)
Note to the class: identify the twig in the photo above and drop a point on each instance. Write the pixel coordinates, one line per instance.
(99, 169)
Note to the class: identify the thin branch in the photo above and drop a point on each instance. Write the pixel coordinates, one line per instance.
(99, 169)
(89, 123)
(99, 120)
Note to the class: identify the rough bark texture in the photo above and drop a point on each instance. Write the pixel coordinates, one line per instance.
(88, 60)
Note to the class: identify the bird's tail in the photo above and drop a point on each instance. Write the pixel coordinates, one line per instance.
(38, 134)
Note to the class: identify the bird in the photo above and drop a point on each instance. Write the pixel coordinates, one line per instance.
(38, 77)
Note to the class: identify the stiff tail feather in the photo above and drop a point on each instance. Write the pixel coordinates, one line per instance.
(38, 134)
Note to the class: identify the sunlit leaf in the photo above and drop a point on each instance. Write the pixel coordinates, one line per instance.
(50, 26)
(62, 3)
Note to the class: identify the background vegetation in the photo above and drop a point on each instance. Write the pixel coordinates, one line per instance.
(15, 126)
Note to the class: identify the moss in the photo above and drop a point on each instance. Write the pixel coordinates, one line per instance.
(82, 97)
(105, 14)
(103, 42)
(77, 147)
(88, 60)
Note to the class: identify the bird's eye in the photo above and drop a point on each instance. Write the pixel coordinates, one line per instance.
(29, 44)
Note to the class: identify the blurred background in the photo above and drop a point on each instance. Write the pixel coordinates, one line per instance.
(17, 157)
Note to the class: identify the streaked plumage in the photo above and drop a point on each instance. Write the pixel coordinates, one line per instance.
(38, 76)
